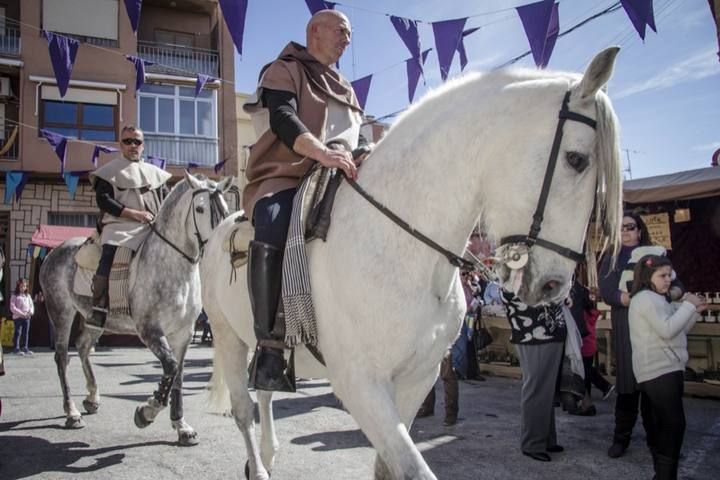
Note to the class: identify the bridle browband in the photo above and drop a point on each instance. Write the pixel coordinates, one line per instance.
(532, 238)
(524, 241)
(216, 215)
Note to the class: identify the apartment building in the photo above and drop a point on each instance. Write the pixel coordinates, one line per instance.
(181, 37)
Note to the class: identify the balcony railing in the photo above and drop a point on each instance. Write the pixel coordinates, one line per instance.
(182, 151)
(178, 60)
(9, 142)
(10, 41)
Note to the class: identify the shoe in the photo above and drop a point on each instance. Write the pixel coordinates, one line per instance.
(555, 449)
(610, 391)
(19, 352)
(450, 420)
(269, 371)
(591, 411)
(616, 450)
(27, 352)
(540, 457)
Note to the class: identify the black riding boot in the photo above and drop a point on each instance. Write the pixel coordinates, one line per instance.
(665, 467)
(268, 369)
(101, 301)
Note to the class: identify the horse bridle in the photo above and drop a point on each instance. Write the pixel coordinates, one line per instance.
(215, 214)
(517, 255)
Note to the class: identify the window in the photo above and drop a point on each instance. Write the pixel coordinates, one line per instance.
(174, 110)
(72, 219)
(83, 121)
(84, 19)
(174, 38)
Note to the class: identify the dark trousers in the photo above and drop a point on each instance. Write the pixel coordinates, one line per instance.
(665, 412)
(593, 377)
(106, 260)
(451, 388)
(626, 413)
(271, 218)
(20, 336)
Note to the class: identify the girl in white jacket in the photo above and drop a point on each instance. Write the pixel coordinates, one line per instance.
(659, 353)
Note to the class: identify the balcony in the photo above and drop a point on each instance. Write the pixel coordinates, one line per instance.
(181, 151)
(10, 41)
(9, 142)
(178, 60)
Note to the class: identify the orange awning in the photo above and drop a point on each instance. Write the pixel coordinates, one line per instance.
(51, 236)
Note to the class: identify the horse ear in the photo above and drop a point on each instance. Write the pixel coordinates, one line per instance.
(598, 72)
(194, 182)
(224, 184)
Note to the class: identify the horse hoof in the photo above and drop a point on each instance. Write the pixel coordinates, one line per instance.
(74, 423)
(140, 420)
(90, 407)
(188, 439)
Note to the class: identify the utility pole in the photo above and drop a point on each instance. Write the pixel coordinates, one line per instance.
(629, 164)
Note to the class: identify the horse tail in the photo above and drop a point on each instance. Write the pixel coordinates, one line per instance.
(218, 399)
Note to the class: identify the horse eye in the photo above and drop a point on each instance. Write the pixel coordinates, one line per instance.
(577, 161)
(200, 210)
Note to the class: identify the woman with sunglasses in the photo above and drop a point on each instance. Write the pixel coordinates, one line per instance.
(615, 284)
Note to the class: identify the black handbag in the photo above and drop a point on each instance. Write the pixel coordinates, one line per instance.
(483, 337)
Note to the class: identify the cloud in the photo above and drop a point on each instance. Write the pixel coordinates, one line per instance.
(701, 65)
(708, 147)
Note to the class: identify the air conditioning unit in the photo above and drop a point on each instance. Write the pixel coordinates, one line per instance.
(5, 87)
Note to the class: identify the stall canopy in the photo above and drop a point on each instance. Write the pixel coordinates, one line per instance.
(688, 185)
(51, 236)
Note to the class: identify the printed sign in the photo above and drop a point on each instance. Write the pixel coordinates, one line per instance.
(658, 226)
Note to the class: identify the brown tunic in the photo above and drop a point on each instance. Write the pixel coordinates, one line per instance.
(272, 166)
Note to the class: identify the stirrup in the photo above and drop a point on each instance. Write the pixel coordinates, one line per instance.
(284, 382)
(96, 321)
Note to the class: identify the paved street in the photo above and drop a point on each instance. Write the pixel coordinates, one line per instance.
(318, 440)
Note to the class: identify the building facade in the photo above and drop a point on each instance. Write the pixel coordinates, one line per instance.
(181, 37)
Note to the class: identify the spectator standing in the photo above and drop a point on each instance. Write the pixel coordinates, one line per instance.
(658, 331)
(614, 290)
(22, 309)
(539, 336)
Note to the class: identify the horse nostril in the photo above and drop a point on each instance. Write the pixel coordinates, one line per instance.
(551, 286)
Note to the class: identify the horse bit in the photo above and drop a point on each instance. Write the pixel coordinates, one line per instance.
(517, 254)
(216, 211)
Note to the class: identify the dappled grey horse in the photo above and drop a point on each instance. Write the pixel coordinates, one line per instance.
(164, 300)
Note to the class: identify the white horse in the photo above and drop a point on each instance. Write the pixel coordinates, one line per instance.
(164, 300)
(388, 306)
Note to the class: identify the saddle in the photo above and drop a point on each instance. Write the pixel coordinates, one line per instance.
(87, 259)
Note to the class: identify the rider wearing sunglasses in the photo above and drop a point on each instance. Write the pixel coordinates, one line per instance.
(129, 193)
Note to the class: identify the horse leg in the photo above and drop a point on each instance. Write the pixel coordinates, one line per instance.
(230, 366)
(62, 320)
(373, 407)
(158, 344)
(269, 444)
(187, 436)
(84, 344)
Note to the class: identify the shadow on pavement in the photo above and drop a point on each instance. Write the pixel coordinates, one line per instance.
(328, 441)
(20, 461)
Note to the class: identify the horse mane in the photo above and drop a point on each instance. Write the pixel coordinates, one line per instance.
(173, 198)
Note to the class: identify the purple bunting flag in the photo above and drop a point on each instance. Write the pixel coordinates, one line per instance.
(58, 143)
(133, 8)
(414, 72)
(140, 65)
(21, 186)
(461, 47)
(317, 5)
(191, 166)
(641, 14)
(201, 81)
(447, 38)
(219, 166)
(408, 31)
(234, 12)
(15, 181)
(71, 180)
(63, 51)
(538, 19)
(103, 149)
(157, 161)
(552, 35)
(716, 19)
(362, 88)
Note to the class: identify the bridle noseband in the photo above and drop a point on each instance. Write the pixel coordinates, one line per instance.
(216, 216)
(516, 255)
